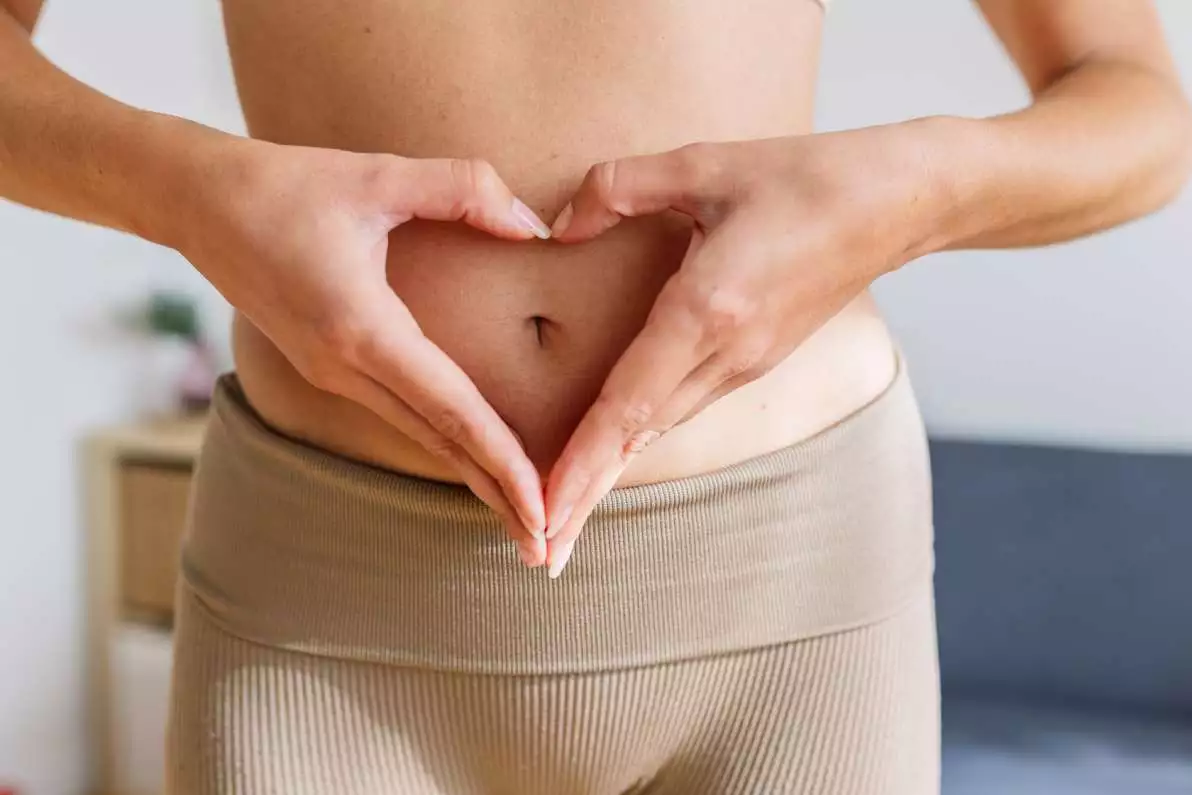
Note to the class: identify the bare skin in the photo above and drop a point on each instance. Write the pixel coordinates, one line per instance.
(538, 326)
(758, 337)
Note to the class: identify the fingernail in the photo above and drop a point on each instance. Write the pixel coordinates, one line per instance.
(534, 525)
(554, 527)
(563, 221)
(562, 554)
(531, 552)
(527, 218)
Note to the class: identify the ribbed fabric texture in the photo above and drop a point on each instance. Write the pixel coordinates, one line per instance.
(849, 713)
(766, 628)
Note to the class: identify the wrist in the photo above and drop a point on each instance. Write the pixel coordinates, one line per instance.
(892, 188)
(179, 172)
(925, 204)
(947, 160)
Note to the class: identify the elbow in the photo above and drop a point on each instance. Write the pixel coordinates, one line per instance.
(1173, 170)
(1181, 165)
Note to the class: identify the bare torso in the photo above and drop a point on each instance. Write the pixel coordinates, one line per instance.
(543, 89)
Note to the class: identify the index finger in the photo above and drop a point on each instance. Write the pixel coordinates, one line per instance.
(434, 386)
(677, 180)
(447, 189)
(621, 422)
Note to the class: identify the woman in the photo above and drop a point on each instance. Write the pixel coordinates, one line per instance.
(703, 387)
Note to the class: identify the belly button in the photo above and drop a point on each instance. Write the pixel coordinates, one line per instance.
(541, 328)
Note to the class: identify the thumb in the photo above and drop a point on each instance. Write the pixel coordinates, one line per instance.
(447, 189)
(681, 180)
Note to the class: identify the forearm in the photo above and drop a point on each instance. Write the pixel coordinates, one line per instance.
(70, 150)
(1106, 143)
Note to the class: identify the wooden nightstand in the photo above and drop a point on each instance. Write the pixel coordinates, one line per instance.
(138, 481)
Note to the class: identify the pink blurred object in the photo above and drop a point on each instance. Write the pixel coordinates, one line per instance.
(196, 384)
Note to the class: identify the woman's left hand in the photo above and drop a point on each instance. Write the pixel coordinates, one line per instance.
(787, 232)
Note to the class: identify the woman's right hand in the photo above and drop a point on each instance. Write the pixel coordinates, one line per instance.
(296, 238)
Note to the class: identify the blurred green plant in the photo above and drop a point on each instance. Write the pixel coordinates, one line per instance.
(171, 314)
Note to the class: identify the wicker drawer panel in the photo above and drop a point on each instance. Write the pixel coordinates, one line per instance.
(153, 501)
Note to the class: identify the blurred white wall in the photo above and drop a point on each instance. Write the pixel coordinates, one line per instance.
(1087, 343)
(68, 368)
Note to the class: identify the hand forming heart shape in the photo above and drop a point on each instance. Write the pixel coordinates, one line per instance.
(787, 232)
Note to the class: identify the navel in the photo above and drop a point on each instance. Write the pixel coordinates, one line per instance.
(542, 327)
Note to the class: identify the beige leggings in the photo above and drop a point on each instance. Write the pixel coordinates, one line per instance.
(767, 628)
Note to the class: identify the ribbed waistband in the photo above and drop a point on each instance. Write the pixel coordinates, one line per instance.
(298, 548)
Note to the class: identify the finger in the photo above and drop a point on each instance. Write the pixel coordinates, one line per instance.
(719, 375)
(415, 370)
(558, 556)
(463, 190)
(694, 340)
(621, 420)
(596, 457)
(592, 445)
(530, 548)
(682, 179)
(559, 548)
(710, 381)
(725, 319)
(532, 552)
(378, 399)
(724, 388)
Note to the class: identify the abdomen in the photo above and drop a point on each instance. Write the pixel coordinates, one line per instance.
(542, 90)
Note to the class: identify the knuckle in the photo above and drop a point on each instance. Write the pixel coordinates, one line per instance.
(629, 418)
(475, 180)
(379, 170)
(734, 366)
(603, 179)
(698, 166)
(443, 449)
(744, 360)
(315, 373)
(639, 442)
(635, 416)
(321, 373)
(343, 341)
(721, 312)
(701, 171)
(481, 176)
(452, 425)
